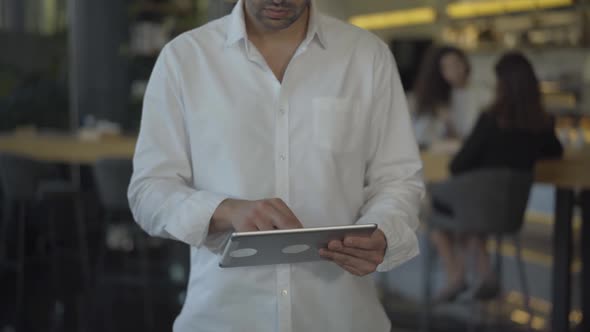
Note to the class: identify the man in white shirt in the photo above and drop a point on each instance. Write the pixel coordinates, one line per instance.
(279, 117)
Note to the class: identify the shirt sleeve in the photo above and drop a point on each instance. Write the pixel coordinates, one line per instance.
(161, 194)
(393, 180)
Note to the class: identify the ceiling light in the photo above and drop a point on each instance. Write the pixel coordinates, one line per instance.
(396, 18)
(499, 7)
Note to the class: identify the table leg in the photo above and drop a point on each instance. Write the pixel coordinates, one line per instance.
(562, 257)
(585, 203)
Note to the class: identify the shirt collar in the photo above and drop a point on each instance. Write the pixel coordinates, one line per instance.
(236, 27)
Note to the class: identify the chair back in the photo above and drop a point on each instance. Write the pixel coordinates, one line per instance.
(21, 176)
(487, 201)
(112, 177)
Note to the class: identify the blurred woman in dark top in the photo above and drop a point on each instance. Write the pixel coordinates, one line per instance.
(514, 132)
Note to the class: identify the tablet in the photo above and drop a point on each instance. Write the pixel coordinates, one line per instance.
(285, 246)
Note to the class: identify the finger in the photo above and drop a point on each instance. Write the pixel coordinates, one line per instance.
(268, 216)
(288, 217)
(335, 245)
(326, 255)
(353, 270)
(264, 223)
(282, 206)
(367, 243)
(262, 219)
(247, 227)
(343, 259)
(372, 256)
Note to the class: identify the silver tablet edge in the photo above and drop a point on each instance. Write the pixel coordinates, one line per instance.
(305, 230)
(235, 235)
(227, 249)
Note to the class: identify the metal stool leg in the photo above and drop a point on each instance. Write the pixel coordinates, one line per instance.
(475, 315)
(58, 310)
(498, 260)
(523, 281)
(102, 299)
(148, 304)
(20, 266)
(55, 277)
(498, 265)
(427, 285)
(106, 303)
(82, 241)
(6, 218)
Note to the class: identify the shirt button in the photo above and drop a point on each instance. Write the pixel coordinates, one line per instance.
(283, 157)
(284, 292)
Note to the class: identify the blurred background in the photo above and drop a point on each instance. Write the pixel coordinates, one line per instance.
(72, 78)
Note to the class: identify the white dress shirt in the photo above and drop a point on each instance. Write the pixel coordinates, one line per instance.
(333, 140)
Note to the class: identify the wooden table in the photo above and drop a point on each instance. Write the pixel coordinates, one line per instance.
(571, 177)
(67, 149)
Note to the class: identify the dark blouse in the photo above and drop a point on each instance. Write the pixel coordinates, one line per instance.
(490, 146)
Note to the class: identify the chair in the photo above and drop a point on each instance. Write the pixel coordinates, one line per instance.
(25, 184)
(490, 202)
(112, 177)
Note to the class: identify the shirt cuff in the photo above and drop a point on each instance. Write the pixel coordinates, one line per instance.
(216, 242)
(191, 221)
(402, 243)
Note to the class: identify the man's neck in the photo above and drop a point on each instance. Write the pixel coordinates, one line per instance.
(294, 34)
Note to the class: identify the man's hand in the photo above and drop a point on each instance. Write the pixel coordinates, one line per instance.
(249, 216)
(357, 255)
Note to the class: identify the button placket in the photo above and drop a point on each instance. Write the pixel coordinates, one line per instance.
(282, 191)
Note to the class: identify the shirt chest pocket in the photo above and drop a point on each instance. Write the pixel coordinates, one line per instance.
(336, 124)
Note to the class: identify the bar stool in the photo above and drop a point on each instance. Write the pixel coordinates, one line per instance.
(112, 178)
(27, 184)
(488, 202)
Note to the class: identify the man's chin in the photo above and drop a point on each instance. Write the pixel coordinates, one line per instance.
(276, 25)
